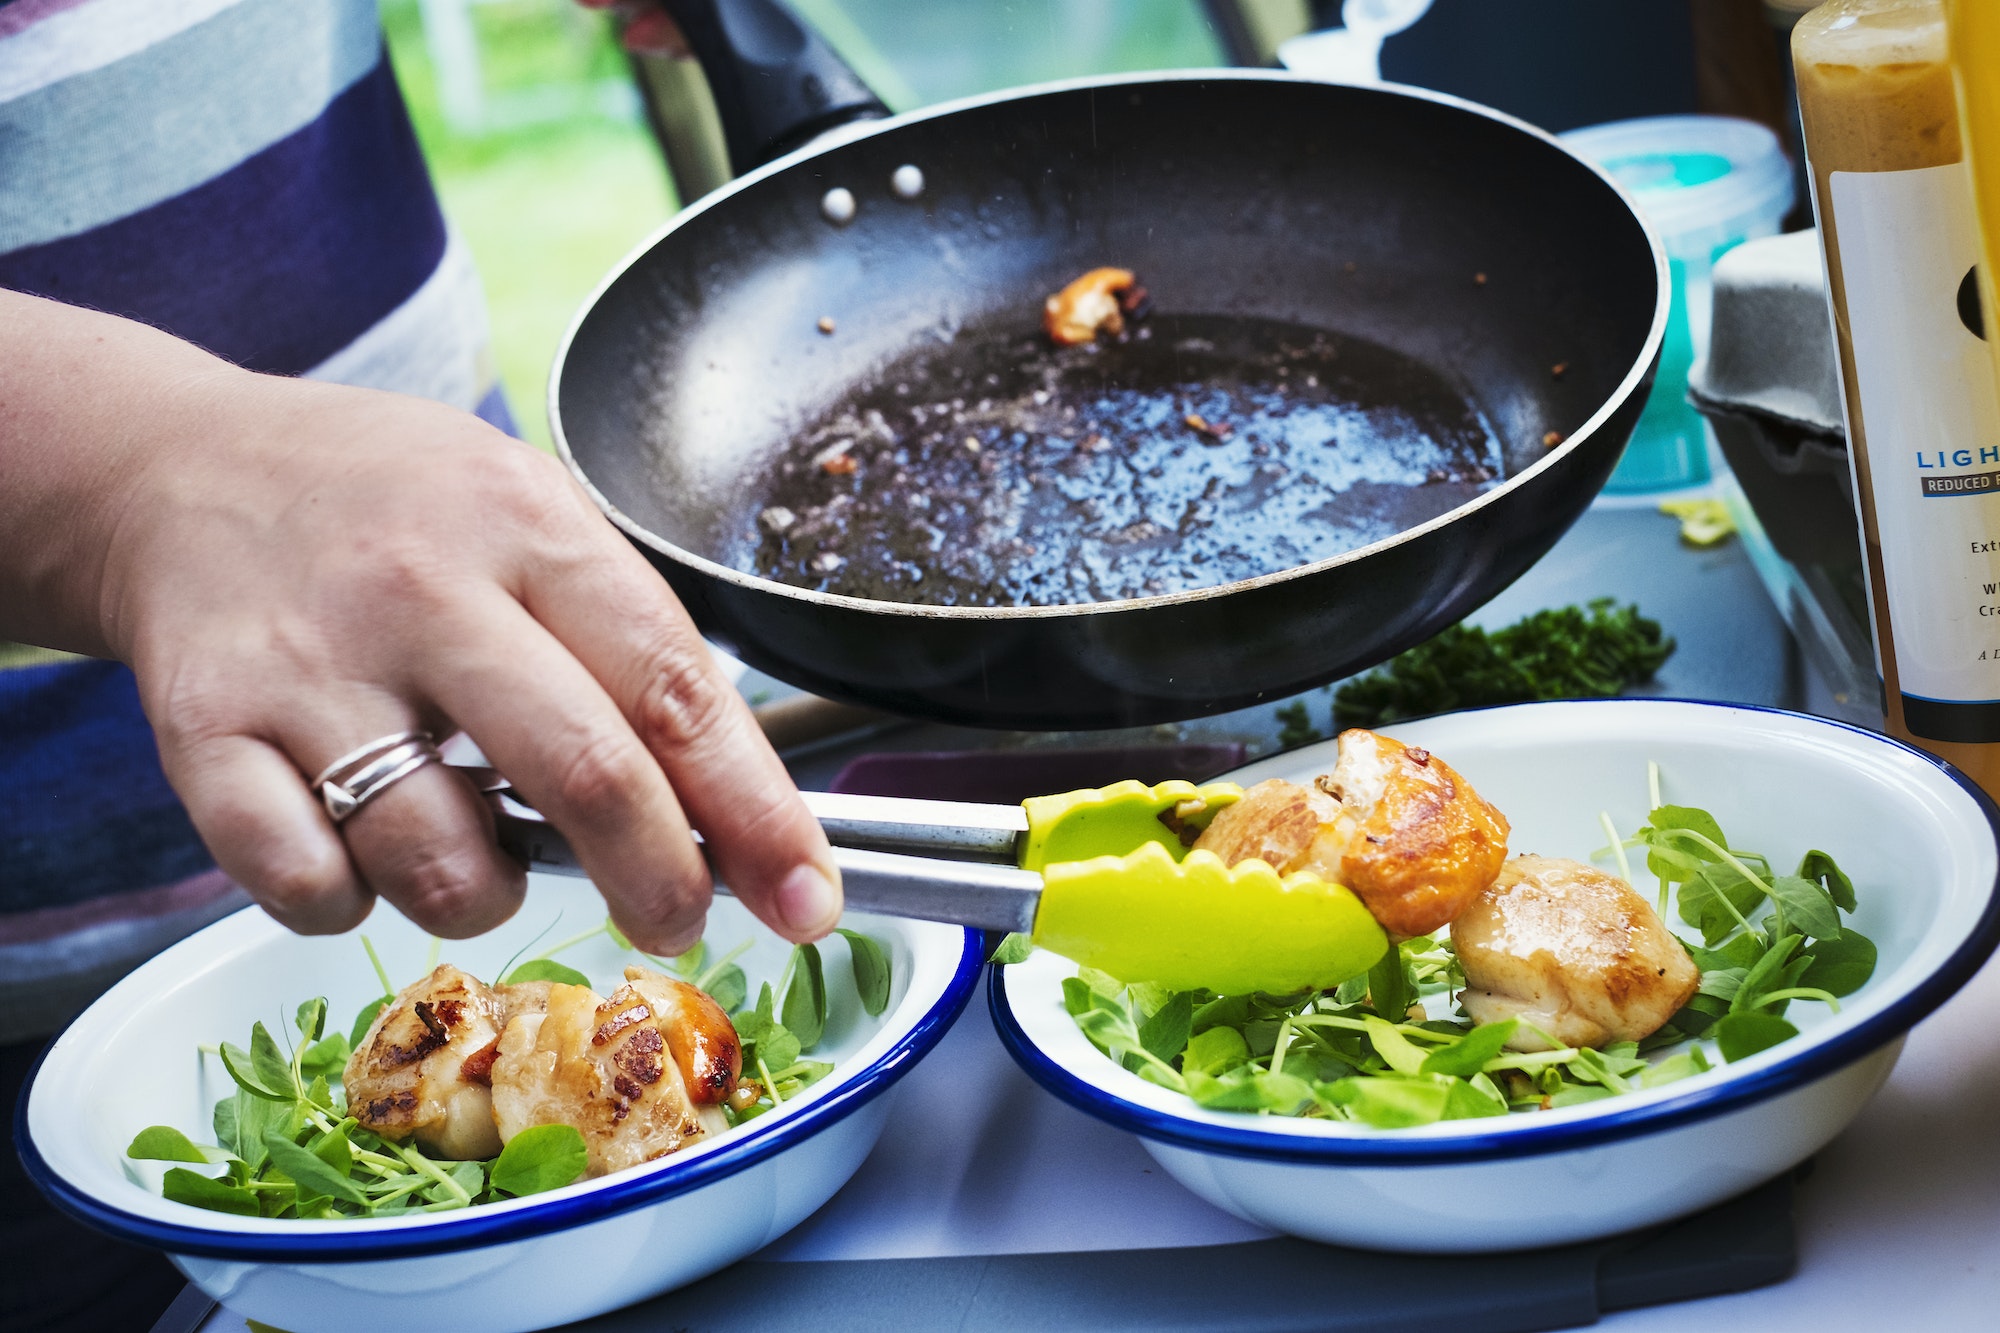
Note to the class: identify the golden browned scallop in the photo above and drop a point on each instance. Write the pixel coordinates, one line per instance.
(604, 1066)
(422, 1070)
(699, 1034)
(1276, 822)
(1393, 823)
(1572, 950)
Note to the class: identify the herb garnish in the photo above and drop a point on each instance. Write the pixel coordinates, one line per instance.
(1571, 652)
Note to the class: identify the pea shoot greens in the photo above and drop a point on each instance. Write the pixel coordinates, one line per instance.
(287, 1147)
(1369, 1052)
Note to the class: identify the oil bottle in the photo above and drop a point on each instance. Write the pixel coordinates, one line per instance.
(1901, 242)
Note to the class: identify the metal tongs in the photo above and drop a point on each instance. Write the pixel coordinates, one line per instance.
(1103, 876)
(952, 861)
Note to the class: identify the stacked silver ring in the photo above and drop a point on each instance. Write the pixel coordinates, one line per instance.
(359, 776)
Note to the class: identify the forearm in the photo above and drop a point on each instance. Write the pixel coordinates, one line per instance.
(89, 405)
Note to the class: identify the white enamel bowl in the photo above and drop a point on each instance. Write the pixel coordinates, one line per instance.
(1916, 836)
(130, 1060)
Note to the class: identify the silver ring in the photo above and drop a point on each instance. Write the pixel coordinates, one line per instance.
(359, 776)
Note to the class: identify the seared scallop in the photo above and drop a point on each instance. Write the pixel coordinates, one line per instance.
(423, 1069)
(608, 1067)
(1392, 822)
(1573, 951)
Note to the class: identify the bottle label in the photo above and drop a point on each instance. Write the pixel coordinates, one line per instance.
(1908, 243)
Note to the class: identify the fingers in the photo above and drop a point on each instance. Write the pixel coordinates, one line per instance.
(767, 847)
(267, 832)
(551, 728)
(426, 844)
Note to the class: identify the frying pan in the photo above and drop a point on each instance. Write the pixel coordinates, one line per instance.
(1449, 233)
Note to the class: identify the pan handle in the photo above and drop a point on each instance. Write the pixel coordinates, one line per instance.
(776, 83)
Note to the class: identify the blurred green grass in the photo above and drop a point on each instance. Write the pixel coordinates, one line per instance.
(548, 203)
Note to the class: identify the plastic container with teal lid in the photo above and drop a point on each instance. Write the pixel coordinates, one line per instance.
(1706, 183)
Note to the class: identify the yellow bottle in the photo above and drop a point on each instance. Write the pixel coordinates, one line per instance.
(1975, 65)
(1894, 204)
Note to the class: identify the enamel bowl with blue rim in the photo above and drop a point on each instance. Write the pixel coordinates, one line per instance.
(1917, 837)
(131, 1060)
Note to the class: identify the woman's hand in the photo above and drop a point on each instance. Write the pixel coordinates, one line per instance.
(294, 569)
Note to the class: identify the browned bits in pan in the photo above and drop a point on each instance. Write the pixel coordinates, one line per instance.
(1098, 302)
(1218, 431)
(1558, 370)
(1553, 438)
(1479, 279)
(825, 324)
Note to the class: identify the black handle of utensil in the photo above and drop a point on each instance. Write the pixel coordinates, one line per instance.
(775, 83)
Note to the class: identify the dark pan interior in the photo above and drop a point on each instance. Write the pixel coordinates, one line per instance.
(1370, 213)
(1227, 196)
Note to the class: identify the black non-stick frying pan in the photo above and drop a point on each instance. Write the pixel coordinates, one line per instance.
(1429, 231)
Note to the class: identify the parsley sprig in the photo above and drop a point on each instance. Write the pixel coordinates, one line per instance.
(1573, 652)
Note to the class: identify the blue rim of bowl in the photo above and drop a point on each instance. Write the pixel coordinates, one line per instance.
(1614, 1122)
(470, 1230)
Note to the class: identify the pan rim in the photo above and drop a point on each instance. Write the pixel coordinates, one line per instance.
(1640, 368)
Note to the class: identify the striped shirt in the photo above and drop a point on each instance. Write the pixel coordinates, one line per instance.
(240, 173)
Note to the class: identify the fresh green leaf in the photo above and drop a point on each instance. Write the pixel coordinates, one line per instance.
(1472, 1100)
(1722, 982)
(545, 969)
(468, 1176)
(242, 1068)
(1821, 869)
(366, 1019)
(1166, 1033)
(1078, 998)
(1014, 949)
(164, 1143)
(324, 1059)
(184, 1186)
(871, 970)
(728, 987)
(780, 1048)
(1399, 1051)
(1390, 1103)
(541, 1157)
(1707, 898)
(332, 1148)
(1215, 1051)
(269, 1064)
(805, 998)
(313, 1177)
(1578, 1094)
(753, 1024)
(311, 1020)
(1224, 1011)
(1765, 975)
(1249, 1089)
(1742, 1034)
(1111, 1029)
(1389, 990)
(1469, 1054)
(1841, 967)
(1808, 907)
(1683, 1064)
